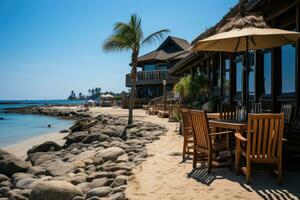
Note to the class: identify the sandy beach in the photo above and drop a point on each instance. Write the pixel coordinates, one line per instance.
(164, 176)
(21, 149)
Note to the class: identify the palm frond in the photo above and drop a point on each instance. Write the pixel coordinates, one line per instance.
(156, 36)
(116, 43)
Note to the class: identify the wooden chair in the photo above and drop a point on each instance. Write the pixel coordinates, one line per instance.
(228, 111)
(287, 109)
(263, 143)
(256, 108)
(204, 143)
(187, 130)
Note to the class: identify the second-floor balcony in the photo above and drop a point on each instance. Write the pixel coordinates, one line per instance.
(151, 77)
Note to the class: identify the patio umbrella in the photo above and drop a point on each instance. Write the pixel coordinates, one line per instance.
(244, 33)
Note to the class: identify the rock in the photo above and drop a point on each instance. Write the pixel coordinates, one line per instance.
(19, 176)
(99, 192)
(25, 183)
(96, 175)
(3, 178)
(78, 198)
(75, 138)
(85, 187)
(39, 158)
(10, 164)
(78, 126)
(54, 190)
(78, 179)
(59, 168)
(5, 184)
(117, 196)
(4, 190)
(99, 182)
(123, 158)
(44, 147)
(121, 180)
(36, 170)
(1, 118)
(90, 154)
(64, 131)
(111, 153)
(94, 137)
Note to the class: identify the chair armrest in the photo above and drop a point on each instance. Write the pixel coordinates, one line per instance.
(221, 133)
(240, 137)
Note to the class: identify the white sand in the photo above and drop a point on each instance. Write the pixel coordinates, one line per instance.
(21, 149)
(164, 176)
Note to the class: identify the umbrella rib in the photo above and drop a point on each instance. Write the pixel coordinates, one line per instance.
(237, 44)
(284, 38)
(252, 40)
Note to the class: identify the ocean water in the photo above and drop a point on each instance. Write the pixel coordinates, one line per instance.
(15, 128)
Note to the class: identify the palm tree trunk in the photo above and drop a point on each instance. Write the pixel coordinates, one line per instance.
(133, 86)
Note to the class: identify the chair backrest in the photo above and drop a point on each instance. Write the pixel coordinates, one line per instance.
(287, 109)
(295, 124)
(228, 111)
(201, 129)
(265, 133)
(256, 108)
(186, 120)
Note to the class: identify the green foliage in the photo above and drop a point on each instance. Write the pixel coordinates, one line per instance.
(130, 36)
(193, 86)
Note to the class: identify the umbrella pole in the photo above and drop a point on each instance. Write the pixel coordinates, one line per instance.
(246, 100)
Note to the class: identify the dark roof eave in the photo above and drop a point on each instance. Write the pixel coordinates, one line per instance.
(183, 62)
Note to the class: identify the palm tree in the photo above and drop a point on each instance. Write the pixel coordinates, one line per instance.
(130, 36)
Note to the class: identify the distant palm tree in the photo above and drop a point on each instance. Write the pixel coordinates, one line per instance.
(129, 36)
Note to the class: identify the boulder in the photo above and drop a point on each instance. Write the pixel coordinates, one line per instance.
(99, 182)
(58, 168)
(99, 192)
(44, 147)
(94, 137)
(10, 164)
(78, 126)
(3, 178)
(64, 131)
(54, 190)
(121, 180)
(111, 153)
(117, 196)
(39, 158)
(75, 138)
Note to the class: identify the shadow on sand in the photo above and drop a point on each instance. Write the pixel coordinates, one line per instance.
(262, 183)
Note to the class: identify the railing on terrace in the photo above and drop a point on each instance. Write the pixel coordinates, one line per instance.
(151, 77)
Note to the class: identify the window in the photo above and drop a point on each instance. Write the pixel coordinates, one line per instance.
(239, 78)
(288, 53)
(149, 67)
(226, 79)
(267, 73)
(251, 74)
(162, 66)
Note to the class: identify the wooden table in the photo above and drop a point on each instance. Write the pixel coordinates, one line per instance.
(228, 124)
(239, 127)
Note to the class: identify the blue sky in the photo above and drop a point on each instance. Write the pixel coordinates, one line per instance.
(50, 47)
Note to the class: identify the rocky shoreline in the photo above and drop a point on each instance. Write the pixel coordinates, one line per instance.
(95, 162)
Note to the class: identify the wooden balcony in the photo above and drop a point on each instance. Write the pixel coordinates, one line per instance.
(151, 78)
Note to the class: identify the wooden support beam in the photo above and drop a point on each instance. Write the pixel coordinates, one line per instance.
(222, 70)
(297, 70)
(232, 78)
(275, 77)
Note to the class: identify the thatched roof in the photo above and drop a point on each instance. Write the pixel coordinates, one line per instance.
(236, 18)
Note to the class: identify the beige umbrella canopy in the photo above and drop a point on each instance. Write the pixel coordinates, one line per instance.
(242, 33)
(252, 38)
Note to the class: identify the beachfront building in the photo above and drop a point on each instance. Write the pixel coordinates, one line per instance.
(274, 74)
(154, 68)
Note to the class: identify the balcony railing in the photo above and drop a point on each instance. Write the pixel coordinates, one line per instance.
(151, 77)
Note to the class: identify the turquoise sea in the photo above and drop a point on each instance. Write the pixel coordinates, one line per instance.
(15, 128)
